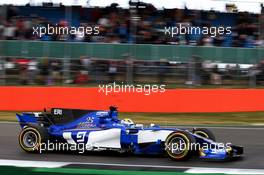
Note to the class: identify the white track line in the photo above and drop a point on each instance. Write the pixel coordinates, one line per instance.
(224, 171)
(8, 122)
(27, 163)
(231, 128)
(249, 127)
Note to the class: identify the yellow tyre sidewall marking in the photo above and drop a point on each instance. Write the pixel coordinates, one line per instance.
(21, 139)
(203, 134)
(187, 145)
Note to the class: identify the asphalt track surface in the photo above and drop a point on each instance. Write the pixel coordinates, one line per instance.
(250, 137)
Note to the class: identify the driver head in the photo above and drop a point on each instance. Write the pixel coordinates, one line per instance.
(127, 122)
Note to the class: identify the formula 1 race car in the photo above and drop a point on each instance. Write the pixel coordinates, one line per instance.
(102, 130)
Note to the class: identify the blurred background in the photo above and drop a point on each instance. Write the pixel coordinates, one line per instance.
(132, 46)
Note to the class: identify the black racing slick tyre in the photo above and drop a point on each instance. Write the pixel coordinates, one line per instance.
(205, 133)
(178, 145)
(31, 138)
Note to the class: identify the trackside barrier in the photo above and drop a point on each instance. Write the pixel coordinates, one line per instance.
(181, 53)
(173, 100)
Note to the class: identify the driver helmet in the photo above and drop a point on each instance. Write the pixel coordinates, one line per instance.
(127, 121)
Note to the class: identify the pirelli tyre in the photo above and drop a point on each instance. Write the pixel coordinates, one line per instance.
(205, 133)
(178, 145)
(31, 137)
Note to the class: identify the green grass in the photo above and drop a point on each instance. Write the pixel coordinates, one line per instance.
(74, 171)
(243, 118)
(240, 118)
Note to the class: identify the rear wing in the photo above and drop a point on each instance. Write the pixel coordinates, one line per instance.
(26, 118)
(62, 115)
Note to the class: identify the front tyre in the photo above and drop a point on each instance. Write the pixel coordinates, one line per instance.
(31, 138)
(178, 145)
(205, 133)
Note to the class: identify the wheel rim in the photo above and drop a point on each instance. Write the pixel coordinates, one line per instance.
(178, 146)
(30, 139)
(184, 153)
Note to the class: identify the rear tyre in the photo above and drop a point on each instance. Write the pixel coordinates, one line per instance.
(178, 145)
(205, 133)
(31, 138)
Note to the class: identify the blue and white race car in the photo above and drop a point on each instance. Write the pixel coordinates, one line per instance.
(102, 130)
